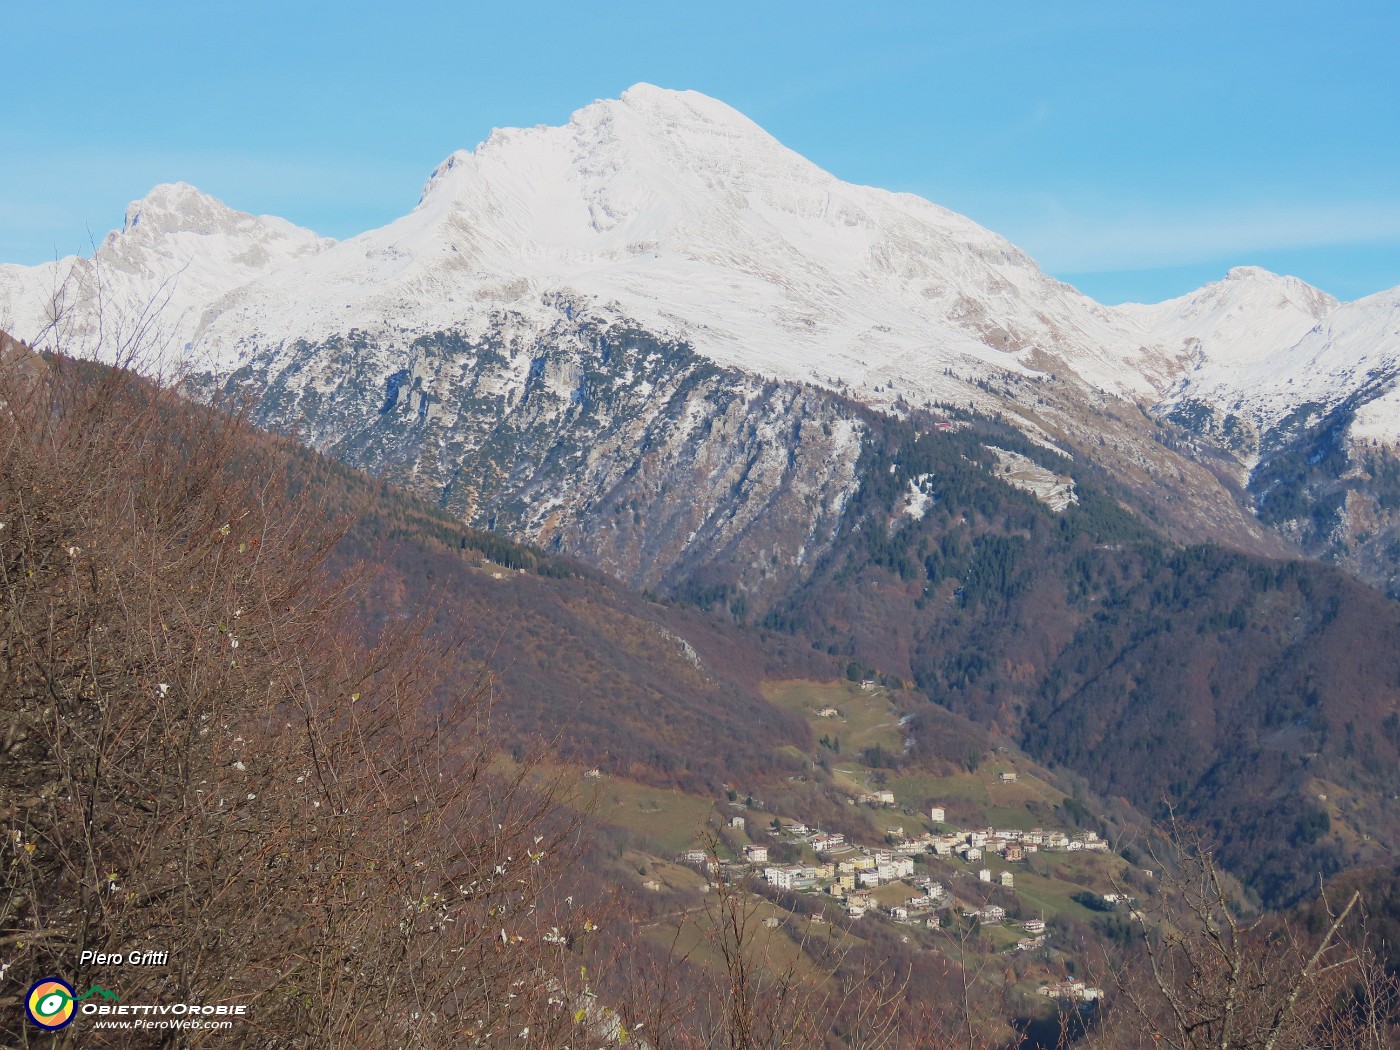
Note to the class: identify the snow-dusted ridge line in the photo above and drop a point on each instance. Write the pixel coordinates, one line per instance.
(1262, 346)
(674, 210)
(178, 253)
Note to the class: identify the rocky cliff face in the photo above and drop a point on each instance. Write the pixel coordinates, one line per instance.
(591, 438)
(519, 347)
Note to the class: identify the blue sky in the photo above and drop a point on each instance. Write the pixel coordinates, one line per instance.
(1136, 150)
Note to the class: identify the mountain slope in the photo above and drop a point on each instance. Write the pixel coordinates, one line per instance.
(670, 213)
(699, 226)
(149, 284)
(1235, 689)
(1297, 397)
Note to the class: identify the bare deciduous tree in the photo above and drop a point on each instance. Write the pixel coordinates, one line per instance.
(1208, 977)
(203, 754)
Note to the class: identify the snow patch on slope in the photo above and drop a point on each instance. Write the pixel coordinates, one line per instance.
(918, 501)
(1054, 490)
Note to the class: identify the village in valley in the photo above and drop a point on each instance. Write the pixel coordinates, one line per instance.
(895, 881)
(927, 867)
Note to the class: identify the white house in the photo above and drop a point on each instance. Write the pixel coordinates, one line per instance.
(937, 813)
(756, 854)
(984, 875)
(782, 878)
(1007, 879)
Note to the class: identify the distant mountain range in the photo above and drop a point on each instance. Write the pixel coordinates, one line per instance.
(1258, 410)
(657, 341)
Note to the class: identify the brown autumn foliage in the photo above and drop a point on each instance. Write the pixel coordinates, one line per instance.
(198, 756)
(1206, 973)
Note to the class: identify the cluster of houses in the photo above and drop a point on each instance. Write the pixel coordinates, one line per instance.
(861, 870)
(850, 872)
(1070, 989)
(972, 845)
(1009, 843)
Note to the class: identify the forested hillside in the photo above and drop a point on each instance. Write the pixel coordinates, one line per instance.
(1237, 689)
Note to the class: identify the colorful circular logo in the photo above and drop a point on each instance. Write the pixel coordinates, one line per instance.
(50, 1003)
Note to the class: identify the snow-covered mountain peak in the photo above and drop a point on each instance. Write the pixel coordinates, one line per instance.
(174, 206)
(1262, 345)
(684, 168)
(673, 104)
(681, 144)
(179, 208)
(1233, 325)
(1249, 273)
(1282, 289)
(697, 223)
(178, 252)
(1242, 288)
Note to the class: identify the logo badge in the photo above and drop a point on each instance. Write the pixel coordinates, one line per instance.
(50, 1003)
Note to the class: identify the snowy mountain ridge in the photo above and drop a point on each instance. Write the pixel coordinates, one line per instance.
(179, 251)
(677, 211)
(670, 213)
(1263, 345)
(674, 209)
